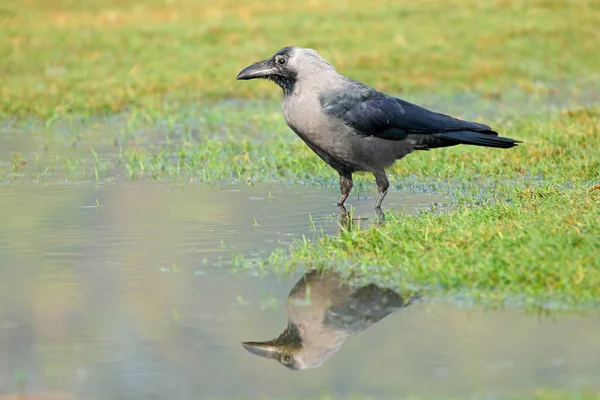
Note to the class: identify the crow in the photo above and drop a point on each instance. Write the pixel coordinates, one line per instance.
(354, 127)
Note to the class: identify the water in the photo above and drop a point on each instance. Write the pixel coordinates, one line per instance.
(433, 351)
(122, 289)
(125, 291)
(95, 281)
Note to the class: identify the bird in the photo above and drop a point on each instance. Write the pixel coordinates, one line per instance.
(354, 127)
(323, 312)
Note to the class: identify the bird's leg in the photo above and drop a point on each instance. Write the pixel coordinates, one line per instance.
(382, 187)
(345, 187)
(380, 214)
(345, 221)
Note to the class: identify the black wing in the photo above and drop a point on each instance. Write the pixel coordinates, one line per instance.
(372, 113)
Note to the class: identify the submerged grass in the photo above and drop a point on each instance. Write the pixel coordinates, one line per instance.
(253, 147)
(105, 56)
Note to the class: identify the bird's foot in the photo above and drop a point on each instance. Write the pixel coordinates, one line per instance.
(343, 211)
(380, 214)
(348, 220)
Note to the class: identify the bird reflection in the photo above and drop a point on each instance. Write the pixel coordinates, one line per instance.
(348, 221)
(323, 312)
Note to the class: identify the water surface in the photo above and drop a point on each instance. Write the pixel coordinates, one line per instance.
(125, 291)
(119, 289)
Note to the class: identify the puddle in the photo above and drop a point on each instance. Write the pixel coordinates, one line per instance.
(382, 344)
(95, 281)
(124, 291)
(113, 288)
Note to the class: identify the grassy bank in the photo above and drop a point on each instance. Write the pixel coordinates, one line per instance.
(532, 241)
(106, 56)
(532, 245)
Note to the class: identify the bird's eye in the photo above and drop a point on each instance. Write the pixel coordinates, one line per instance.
(280, 60)
(286, 359)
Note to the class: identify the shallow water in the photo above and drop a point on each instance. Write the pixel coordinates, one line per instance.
(125, 291)
(121, 289)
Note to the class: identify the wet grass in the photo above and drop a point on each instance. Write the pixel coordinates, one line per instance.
(251, 143)
(528, 241)
(530, 245)
(101, 57)
(558, 150)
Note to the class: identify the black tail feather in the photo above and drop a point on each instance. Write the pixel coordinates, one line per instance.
(480, 139)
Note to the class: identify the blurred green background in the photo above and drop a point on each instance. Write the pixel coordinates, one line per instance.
(105, 55)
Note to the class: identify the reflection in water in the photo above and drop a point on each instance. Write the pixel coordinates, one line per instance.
(322, 314)
(348, 221)
(121, 302)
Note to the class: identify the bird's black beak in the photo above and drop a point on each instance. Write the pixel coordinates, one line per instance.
(260, 69)
(264, 350)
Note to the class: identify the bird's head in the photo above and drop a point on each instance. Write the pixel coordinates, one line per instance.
(287, 66)
(284, 349)
(285, 355)
(290, 350)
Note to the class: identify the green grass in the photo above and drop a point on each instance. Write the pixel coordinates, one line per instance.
(529, 245)
(252, 144)
(558, 149)
(104, 56)
(534, 240)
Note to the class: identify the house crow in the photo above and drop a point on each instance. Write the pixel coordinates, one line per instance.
(354, 127)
